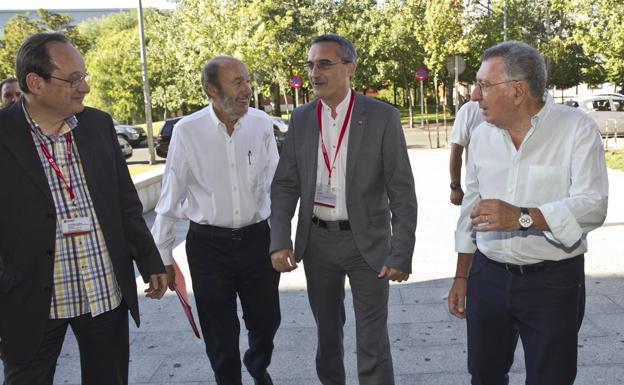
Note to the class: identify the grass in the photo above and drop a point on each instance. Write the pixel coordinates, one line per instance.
(136, 169)
(615, 159)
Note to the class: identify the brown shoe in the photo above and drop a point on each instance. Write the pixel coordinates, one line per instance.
(265, 379)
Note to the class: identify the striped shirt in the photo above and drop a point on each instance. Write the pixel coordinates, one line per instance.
(84, 280)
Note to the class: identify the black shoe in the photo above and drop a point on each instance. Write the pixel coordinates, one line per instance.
(265, 379)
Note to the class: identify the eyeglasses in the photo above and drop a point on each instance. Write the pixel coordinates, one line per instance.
(74, 83)
(323, 65)
(485, 87)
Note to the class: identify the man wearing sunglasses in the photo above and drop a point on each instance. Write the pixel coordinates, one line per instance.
(536, 184)
(71, 228)
(345, 161)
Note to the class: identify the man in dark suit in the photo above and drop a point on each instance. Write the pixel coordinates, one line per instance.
(345, 161)
(71, 226)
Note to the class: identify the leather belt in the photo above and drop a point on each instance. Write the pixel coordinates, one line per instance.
(224, 232)
(526, 269)
(331, 225)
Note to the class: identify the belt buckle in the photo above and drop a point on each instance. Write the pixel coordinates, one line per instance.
(236, 235)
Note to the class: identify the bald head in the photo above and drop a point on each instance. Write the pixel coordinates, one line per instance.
(210, 73)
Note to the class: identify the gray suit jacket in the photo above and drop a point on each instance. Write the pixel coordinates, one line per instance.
(381, 201)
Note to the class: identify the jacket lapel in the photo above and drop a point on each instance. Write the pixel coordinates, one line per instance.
(311, 156)
(356, 132)
(16, 137)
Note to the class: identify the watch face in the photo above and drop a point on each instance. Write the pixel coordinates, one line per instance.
(525, 221)
(454, 185)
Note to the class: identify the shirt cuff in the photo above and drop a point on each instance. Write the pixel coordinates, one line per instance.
(464, 242)
(167, 256)
(564, 228)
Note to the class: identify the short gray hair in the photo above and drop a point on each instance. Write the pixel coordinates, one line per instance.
(522, 62)
(347, 49)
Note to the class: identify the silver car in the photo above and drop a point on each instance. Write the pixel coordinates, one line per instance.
(133, 135)
(608, 112)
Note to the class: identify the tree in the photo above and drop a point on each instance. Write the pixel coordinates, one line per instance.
(20, 27)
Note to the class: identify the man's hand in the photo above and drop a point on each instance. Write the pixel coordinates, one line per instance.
(495, 215)
(393, 274)
(157, 286)
(171, 276)
(457, 298)
(457, 196)
(283, 260)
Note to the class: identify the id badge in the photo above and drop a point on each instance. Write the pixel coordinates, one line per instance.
(325, 196)
(76, 226)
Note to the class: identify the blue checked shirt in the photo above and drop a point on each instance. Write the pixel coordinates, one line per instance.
(84, 281)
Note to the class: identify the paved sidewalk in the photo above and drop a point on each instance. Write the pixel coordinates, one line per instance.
(428, 344)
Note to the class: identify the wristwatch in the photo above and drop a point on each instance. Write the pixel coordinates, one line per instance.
(525, 219)
(454, 185)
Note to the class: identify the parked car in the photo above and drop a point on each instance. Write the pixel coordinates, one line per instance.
(126, 148)
(164, 136)
(607, 111)
(133, 135)
(280, 128)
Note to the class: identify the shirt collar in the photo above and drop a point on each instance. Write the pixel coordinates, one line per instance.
(218, 123)
(68, 124)
(539, 117)
(341, 107)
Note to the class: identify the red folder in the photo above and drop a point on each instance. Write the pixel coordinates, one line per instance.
(180, 289)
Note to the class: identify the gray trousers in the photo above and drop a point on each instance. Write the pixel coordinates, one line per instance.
(330, 257)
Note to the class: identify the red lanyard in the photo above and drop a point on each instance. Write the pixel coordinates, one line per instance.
(46, 153)
(319, 110)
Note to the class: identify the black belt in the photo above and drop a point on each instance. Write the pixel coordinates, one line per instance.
(331, 225)
(224, 232)
(525, 269)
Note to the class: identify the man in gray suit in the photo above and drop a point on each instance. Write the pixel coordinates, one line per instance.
(345, 160)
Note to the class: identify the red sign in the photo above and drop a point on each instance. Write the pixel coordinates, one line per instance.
(296, 81)
(422, 73)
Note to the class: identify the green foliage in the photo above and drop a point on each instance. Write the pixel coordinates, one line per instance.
(582, 41)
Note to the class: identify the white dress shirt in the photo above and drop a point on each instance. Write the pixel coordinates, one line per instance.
(213, 178)
(559, 168)
(331, 134)
(468, 118)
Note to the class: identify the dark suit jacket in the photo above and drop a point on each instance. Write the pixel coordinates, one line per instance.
(381, 200)
(28, 222)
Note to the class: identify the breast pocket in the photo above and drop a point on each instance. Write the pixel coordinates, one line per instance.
(547, 184)
(257, 168)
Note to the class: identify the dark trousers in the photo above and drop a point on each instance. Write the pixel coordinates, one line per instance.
(103, 345)
(544, 308)
(224, 264)
(330, 257)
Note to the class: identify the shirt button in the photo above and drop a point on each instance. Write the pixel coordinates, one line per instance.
(236, 212)
(232, 165)
(235, 189)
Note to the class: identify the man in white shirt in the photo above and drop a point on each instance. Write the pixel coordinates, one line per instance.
(536, 184)
(467, 119)
(345, 161)
(218, 174)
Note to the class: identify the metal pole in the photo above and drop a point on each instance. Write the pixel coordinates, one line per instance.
(505, 20)
(422, 105)
(146, 89)
(296, 97)
(456, 86)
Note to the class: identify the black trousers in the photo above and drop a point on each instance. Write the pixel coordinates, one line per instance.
(544, 308)
(103, 345)
(223, 264)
